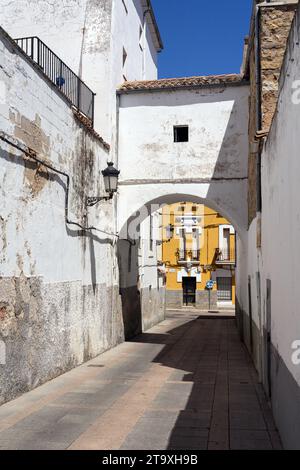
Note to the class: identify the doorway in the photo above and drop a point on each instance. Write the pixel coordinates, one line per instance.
(250, 315)
(224, 286)
(189, 286)
(268, 340)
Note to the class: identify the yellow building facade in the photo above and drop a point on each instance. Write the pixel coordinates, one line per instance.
(198, 252)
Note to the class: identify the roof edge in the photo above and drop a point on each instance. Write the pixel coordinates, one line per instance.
(217, 81)
(155, 25)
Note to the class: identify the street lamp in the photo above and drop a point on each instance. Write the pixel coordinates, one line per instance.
(110, 176)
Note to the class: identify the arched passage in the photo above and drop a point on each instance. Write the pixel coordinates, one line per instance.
(144, 307)
(138, 202)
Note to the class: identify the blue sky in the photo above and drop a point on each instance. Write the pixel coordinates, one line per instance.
(202, 37)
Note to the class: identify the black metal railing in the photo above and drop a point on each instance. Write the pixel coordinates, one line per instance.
(195, 255)
(225, 255)
(185, 255)
(181, 254)
(75, 90)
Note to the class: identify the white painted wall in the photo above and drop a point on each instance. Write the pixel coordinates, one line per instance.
(150, 283)
(278, 259)
(254, 267)
(153, 167)
(89, 35)
(42, 214)
(280, 242)
(59, 288)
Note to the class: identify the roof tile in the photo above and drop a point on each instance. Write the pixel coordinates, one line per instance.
(185, 82)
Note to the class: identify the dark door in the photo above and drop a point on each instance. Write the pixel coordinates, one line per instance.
(189, 286)
(250, 314)
(268, 342)
(224, 285)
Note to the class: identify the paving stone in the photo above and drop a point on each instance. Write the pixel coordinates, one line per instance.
(249, 440)
(35, 444)
(246, 420)
(146, 443)
(189, 431)
(187, 443)
(204, 391)
(103, 398)
(218, 445)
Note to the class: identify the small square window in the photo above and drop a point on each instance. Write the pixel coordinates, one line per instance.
(181, 133)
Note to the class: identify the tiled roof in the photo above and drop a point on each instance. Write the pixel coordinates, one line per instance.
(187, 82)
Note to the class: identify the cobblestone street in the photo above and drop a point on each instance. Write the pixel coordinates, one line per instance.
(188, 383)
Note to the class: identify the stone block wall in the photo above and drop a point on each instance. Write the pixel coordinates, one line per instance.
(274, 26)
(174, 299)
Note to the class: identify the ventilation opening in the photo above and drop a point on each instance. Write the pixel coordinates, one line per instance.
(181, 133)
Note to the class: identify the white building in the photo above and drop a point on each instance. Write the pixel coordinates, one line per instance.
(59, 290)
(104, 42)
(273, 256)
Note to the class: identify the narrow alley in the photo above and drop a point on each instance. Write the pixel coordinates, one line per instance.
(188, 383)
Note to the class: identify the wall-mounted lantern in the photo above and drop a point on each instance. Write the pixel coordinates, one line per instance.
(110, 176)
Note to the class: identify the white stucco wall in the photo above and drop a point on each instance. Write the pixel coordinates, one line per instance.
(89, 35)
(142, 289)
(59, 292)
(151, 285)
(280, 242)
(212, 166)
(254, 322)
(59, 140)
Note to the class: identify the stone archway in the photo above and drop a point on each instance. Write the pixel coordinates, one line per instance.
(137, 315)
(208, 165)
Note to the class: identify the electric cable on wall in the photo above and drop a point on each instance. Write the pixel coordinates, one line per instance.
(32, 155)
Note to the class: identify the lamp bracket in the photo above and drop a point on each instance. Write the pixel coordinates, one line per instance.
(92, 201)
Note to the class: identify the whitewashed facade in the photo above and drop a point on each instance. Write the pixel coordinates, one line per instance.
(60, 296)
(275, 294)
(91, 36)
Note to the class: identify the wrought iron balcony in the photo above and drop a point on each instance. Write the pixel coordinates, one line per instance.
(74, 89)
(225, 256)
(185, 256)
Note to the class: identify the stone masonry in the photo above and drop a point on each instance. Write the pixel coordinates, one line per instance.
(274, 23)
